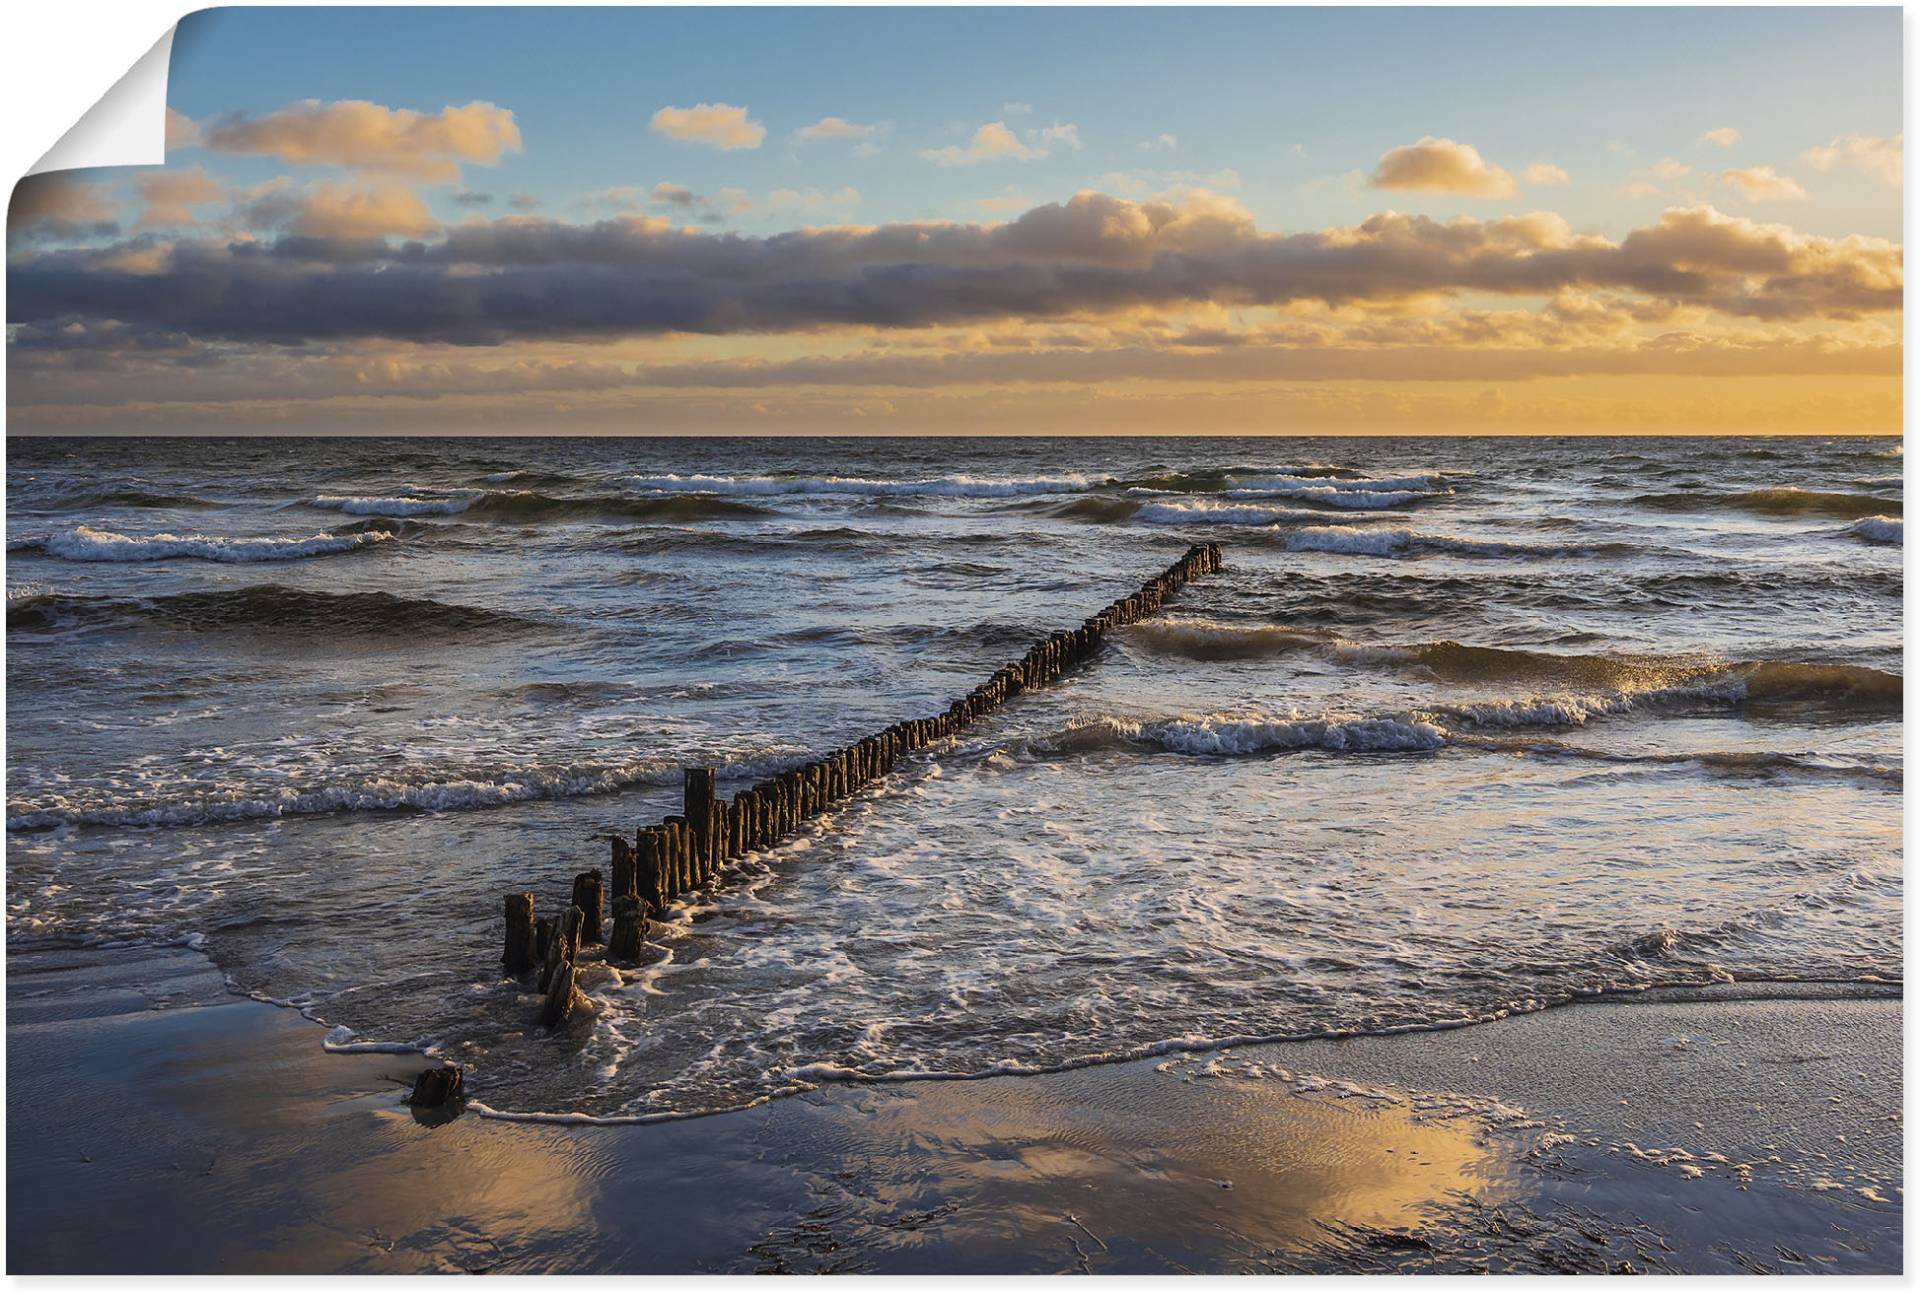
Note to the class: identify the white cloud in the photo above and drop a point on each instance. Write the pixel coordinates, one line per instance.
(717, 125)
(1544, 173)
(1723, 137)
(1764, 184)
(1161, 140)
(1884, 159)
(1668, 168)
(1061, 134)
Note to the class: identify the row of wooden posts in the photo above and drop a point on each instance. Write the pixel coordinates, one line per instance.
(689, 849)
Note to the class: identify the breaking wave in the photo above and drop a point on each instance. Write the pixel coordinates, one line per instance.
(941, 486)
(528, 506)
(84, 543)
(1879, 529)
(1372, 542)
(1418, 732)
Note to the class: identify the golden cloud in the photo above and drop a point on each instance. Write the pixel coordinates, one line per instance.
(366, 136)
(836, 128)
(717, 125)
(1884, 159)
(182, 130)
(169, 197)
(1764, 184)
(55, 207)
(1435, 165)
(996, 141)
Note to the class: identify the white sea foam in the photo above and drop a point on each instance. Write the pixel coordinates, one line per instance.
(1407, 543)
(1370, 500)
(84, 543)
(342, 1041)
(432, 795)
(1253, 734)
(1879, 529)
(1378, 493)
(947, 486)
(392, 505)
(1201, 511)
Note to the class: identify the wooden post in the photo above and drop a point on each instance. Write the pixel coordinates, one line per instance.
(698, 810)
(563, 947)
(629, 929)
(520, 955)
(674, 831)
(589, 892)
(557, 980)
(626, 868)
(651, 877)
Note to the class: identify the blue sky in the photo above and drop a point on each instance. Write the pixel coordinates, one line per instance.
(1291, 100)
(809, 220)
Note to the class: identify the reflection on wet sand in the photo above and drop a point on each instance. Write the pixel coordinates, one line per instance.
(219, 1136)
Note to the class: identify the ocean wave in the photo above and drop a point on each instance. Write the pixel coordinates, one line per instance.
(1207, 512)
(427, 792)
(267, 607)
(1204, 639)
(143, 498)
(1373, 542)
(1781, 501)
(84, 543)
(1888, 530)
(522, 506)
(1745, 763)
(1217, 734)
(940, 486)
(1426, 731)
(392, 505)
(1616, 675)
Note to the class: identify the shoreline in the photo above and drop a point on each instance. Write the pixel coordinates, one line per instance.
(1695, 1130)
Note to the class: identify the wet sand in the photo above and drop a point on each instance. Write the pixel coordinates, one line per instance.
(158, 1124)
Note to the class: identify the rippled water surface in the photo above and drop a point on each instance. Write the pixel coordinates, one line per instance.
(1466, 725)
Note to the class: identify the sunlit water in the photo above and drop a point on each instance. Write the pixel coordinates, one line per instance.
(1466, 725)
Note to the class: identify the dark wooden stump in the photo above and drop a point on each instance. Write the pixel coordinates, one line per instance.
(626, 870)
(563, 946)
(434, 1087)
(589, 893)
(562, 997)
(629, 930)
(522, 952)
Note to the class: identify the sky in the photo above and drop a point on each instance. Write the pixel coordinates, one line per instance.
(950, 221)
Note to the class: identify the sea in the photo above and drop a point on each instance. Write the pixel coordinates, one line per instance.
(1466, 726)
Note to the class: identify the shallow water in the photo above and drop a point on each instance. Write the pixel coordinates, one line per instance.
(1466, 726)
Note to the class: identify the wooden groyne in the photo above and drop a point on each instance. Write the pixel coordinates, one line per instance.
(690, 849)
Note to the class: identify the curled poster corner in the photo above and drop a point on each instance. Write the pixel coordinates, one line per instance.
(127, 127)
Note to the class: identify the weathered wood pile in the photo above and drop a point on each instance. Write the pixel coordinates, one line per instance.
(690, 849)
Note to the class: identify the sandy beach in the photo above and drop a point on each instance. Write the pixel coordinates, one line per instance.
(1688, 1132)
